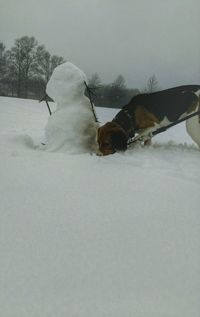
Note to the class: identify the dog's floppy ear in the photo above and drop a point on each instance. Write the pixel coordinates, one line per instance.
(119, 141)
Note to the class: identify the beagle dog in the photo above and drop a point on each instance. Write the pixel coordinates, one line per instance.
(146, 113)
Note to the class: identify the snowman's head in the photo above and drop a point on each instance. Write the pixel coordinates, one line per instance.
(66, 84)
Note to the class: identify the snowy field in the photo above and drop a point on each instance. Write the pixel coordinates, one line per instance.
(89, 236)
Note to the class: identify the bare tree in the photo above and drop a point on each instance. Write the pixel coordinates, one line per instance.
(117, 92)
(152, 84)
(2, 65)
(119, 82)
(94, 81)
(46, 63)
(55, 61)
(2, 58)
(43, 63)
(21, 62)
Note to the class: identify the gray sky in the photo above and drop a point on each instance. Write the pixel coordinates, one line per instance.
(135, 38)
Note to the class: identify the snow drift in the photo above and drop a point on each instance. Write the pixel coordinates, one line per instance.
(88, 236)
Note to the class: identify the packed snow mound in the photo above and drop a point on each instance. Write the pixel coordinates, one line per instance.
(72, 127)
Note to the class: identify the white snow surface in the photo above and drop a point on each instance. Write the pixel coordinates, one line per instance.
(72, 127)
(89, 236)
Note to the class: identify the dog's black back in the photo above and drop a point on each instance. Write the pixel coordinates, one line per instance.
(170, 103)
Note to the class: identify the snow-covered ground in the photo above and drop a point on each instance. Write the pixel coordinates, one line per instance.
(89, 236)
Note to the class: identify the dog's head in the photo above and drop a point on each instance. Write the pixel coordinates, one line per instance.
(111, 138)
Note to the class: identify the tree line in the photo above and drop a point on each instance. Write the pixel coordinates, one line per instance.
(116, 94)
(26, 68)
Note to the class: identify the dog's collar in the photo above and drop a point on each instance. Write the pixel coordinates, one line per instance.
(125, 120)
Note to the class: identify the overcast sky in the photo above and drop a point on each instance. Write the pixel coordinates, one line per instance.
(135, 38)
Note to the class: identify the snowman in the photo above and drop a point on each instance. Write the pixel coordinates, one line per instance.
(72, 127)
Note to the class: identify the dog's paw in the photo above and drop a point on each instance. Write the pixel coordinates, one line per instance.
(99, 153)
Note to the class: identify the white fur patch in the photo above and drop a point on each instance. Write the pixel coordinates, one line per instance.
(197, 93)
(193, 128)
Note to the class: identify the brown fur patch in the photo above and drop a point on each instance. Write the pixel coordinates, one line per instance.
(107, 141)
(192, 107)
(144, 119)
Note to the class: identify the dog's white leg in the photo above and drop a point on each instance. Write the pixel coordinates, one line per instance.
(145, 135)
(193, 129)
